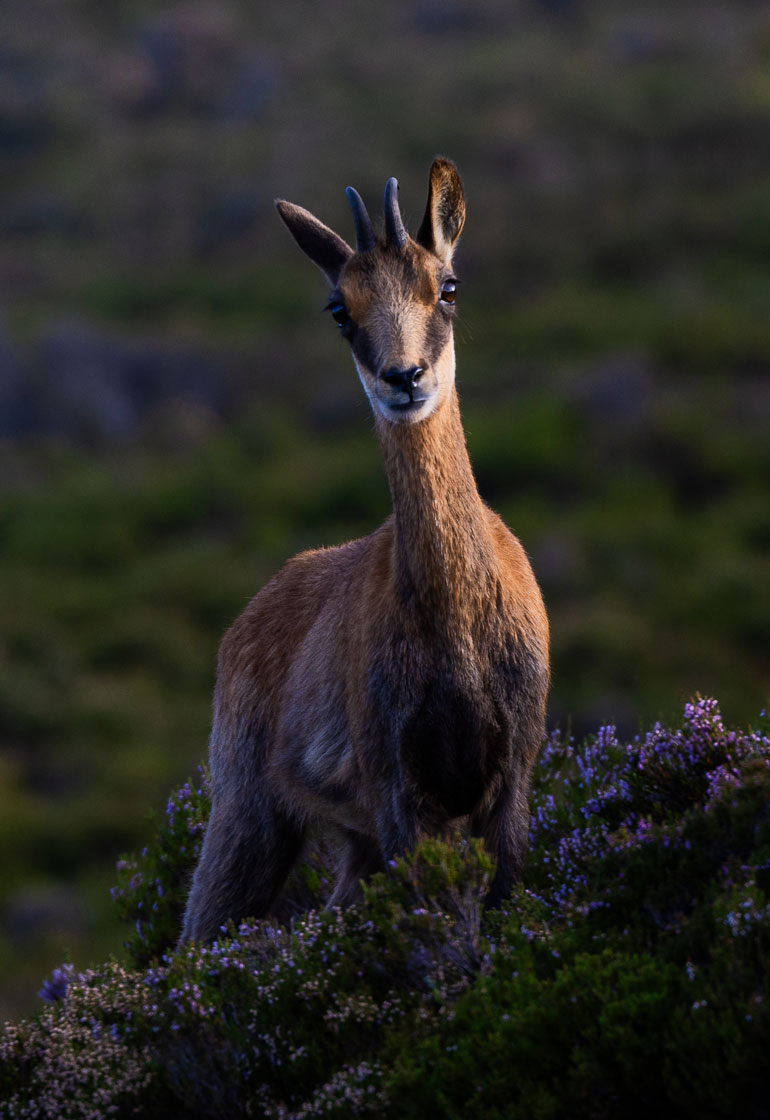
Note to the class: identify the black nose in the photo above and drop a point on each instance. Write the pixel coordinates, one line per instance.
(405, 379)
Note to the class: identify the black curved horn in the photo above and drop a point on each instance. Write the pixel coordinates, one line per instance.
(364, 232)
(395, 234)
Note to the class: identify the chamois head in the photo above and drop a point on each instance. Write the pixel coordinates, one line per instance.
(393, 297)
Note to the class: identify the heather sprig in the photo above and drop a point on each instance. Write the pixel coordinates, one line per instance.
(152, 887)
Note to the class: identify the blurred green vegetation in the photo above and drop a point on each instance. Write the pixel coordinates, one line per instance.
(613, 364)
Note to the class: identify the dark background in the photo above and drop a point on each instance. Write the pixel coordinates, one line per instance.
(177, 416)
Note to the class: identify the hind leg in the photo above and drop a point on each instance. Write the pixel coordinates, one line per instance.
(248, 851)
(360, 858)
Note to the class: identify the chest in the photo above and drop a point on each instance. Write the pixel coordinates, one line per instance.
(453, 745)
(449, 725)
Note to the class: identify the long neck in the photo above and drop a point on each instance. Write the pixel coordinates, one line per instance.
(444, 557)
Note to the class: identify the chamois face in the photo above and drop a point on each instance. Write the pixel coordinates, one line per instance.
(393, 297)
(395, 307)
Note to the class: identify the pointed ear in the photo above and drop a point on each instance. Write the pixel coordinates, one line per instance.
(321, 244)
(445, 212)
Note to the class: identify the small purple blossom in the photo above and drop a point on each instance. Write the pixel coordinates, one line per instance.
(55, 986)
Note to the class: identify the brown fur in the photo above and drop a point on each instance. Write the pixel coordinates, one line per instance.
(397, 683)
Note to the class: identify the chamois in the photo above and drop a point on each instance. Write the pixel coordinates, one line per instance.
(397, 683)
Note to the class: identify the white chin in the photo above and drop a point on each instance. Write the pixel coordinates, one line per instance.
(410, 414)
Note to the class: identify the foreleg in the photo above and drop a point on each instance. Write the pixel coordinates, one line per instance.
(504, 827)
(248, 851)
(360, 858)
(397, 820)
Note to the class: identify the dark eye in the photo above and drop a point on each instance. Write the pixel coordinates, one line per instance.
(448, 291)
(339, 314)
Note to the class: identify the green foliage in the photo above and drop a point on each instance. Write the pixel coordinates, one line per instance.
(532, 1040)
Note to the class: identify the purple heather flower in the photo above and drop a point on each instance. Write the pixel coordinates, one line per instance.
(55, 987)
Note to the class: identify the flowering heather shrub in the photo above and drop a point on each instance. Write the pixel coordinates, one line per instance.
(268, 1021)
(629, 972)
(625, 836)
(152, 888)
(75, 1059)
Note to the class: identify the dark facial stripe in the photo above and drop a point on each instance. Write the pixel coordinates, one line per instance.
(437, 334)
(364, 349)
